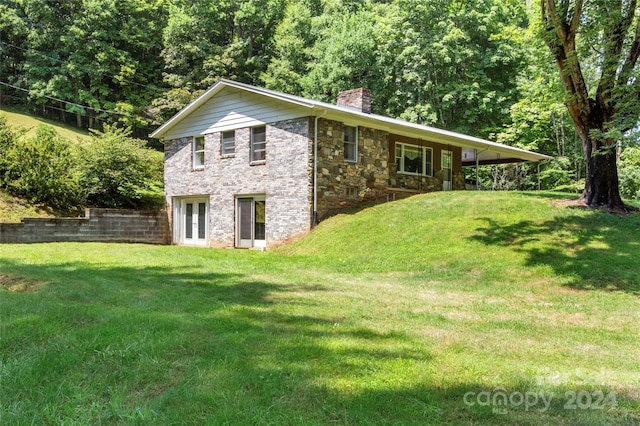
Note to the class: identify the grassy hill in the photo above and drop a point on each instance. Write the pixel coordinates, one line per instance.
(23, 120)
(424, 311)
(13, 209)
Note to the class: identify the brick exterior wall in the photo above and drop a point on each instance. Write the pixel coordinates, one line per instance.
(285, 178)
(98, 225)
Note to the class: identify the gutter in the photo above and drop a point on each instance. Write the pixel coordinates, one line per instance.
(315, 168)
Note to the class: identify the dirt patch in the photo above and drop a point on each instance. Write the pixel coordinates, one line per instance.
(578, 203)
(17, 284)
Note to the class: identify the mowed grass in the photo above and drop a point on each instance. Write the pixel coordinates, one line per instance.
(422, 311)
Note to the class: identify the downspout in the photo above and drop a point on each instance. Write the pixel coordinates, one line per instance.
(315, 168)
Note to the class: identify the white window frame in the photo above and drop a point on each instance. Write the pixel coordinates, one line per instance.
(253, 149)
(228, 143)
(198, 155)
(354, 143)
(426, 171)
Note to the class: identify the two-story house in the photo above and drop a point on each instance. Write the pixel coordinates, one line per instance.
(251, 167)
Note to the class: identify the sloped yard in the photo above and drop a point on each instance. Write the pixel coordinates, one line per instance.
(453, 308)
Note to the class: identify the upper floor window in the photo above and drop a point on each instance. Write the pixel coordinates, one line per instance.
(350, 143)
(258, 143)
(413, 159)
(198, 152)
(228, 142)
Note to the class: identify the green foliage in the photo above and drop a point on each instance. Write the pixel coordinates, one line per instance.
(95, 53)
(110, 170)
(42, 170)
(115, 169)
(292, 42)
(450, 65)
(8, 137)
(557, 173)
(343, 57)
(629, 173)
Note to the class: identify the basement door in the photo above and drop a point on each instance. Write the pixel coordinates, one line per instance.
(190, 218)
(447, 161)
(250, 222)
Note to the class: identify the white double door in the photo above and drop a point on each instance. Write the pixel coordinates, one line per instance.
(191, 218)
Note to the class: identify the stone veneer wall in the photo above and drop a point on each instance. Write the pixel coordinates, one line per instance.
(101, 225)
(343, 184)
(425, 183)
(285, 178)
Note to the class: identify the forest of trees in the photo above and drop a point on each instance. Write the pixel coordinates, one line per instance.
(477, 67)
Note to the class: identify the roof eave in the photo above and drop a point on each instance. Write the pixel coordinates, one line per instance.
(330, 111)
(418, 131)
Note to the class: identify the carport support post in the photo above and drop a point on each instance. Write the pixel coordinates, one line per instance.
(477, 173)
(538, 164)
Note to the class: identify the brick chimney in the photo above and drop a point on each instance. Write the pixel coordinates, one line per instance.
(358, 99)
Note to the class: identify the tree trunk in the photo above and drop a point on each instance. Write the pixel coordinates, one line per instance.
(601, 176)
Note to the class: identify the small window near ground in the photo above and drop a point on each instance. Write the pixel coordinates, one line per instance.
(351, 143)
(198, 152)
(351, 192)
(228, 142)
(258, 143)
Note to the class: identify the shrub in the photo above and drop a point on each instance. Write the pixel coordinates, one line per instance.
(629, 173)
(42, 170)
(557, 173)
(117, 170)
(8, 137)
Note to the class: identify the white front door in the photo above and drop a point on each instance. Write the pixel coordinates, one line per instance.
(190, 218)
(250, 222)
(447, 161)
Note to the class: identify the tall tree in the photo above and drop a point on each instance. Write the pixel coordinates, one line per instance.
(596, 46)
(451, 63)
(292, 41)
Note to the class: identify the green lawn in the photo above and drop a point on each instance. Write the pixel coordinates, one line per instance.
(422, 311)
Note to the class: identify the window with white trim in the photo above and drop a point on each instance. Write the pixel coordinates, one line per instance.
(351, 143)
(228, 142)
(414, 160)
(198, 152)
(258, 144)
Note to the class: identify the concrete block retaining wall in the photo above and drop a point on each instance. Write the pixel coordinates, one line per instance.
(98, 225)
